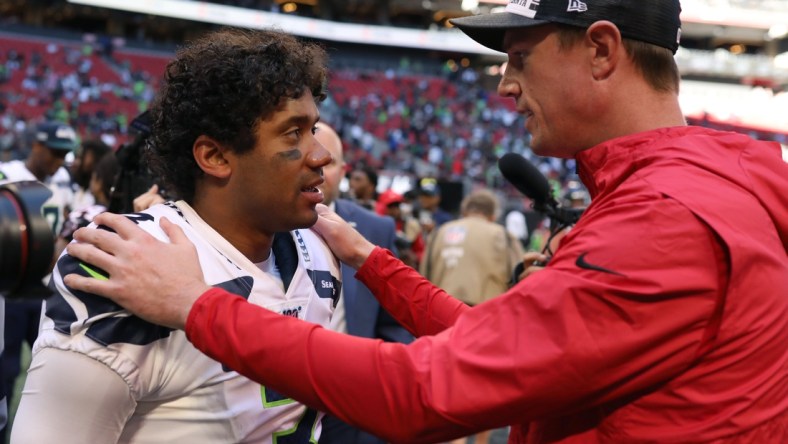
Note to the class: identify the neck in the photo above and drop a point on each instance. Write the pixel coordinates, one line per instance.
(237, 229)
(36, 172)
(477, 215)
(634, 108)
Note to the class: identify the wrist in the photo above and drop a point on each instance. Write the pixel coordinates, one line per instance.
(190, 298)
(362, 254)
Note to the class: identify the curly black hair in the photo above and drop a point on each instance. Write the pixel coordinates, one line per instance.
(222, 85)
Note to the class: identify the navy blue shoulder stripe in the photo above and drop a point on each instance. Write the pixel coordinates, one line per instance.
(242, 286)
(60, 311)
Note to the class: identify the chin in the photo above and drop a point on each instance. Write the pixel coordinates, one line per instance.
(547, 150)
(308, 222)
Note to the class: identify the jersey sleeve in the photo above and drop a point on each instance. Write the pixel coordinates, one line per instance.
(71, 398)
(568, 337)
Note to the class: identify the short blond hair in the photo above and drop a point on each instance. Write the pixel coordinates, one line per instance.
(480, 202)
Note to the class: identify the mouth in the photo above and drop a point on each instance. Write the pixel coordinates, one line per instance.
(313, 193)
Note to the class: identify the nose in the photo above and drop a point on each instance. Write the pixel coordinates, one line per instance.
(507, 87)
(318, 157)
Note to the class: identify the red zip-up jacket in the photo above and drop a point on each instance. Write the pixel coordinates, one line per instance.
(662, 317)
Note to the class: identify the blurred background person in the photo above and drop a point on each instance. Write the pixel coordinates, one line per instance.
(410, 240)
(363, 186)
(87, 156)
(472, 258)
(51, 142)
(100, 188)
(517, 225)
(430, 213)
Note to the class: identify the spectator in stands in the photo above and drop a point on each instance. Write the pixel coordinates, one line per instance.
(358, 312)
(247, 178)
(662, 317)
(363, 186)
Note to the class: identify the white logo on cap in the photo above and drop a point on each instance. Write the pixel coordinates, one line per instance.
(526, 8)
(576, 6)
(65, 132)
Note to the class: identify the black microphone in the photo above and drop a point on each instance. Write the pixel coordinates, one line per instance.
(519, 172)
(527, 179)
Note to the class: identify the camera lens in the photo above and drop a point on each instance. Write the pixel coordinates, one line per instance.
(26, 241)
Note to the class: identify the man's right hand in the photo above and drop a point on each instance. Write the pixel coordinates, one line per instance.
(345, 242)
(154, 280)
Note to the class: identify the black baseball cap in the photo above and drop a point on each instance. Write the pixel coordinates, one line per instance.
(651, 21)
(56, 136)
(428, 186)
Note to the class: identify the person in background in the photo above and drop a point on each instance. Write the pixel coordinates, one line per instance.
(410, 240)
(100, 187)
(51, 143)
(357, 313)
(248, 186)
(88, 155)
(517, 225)
(661, 317)
(472, 258)
(363, 186)
(431, 215)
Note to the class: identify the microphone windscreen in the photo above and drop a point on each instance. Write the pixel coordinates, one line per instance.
(525, 177)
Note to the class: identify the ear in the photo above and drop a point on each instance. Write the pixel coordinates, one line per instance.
(608, 49)
(210, 157)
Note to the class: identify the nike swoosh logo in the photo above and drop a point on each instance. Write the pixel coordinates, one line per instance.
(93, 273)
(582, 263)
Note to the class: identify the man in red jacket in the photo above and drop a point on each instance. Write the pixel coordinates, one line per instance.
(662, 316)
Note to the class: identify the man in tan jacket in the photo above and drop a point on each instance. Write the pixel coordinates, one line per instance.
(472, 258)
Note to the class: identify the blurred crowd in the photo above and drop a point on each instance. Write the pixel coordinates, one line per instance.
(449, 125)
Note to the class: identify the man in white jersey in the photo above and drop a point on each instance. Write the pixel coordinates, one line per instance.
(51, 142)
(233, 138)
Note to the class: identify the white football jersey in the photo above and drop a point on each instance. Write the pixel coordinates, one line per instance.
(62, 194)
(182, 395)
